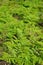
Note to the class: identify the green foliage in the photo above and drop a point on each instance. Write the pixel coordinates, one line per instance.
(21, 31)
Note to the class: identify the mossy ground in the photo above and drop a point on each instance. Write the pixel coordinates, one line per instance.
(21, 31)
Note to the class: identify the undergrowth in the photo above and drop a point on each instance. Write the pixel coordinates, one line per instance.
(21, 32)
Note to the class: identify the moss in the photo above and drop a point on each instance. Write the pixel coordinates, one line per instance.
(21, 32)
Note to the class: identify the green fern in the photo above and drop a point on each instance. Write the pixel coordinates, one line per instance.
(21, 32)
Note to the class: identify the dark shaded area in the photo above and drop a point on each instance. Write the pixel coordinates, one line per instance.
(2, 62)
(40, 39)
(15, 36)
(24, 0)
(10, 0)
(1, 21)
(36, 24)
(28, 37)
(25, 21)
(17, 16)
(7, 38)
(0, 32)
(26, 6)
(40, 24)
(37, 63)
(23, 63)
(14, 63)
(1, 41)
